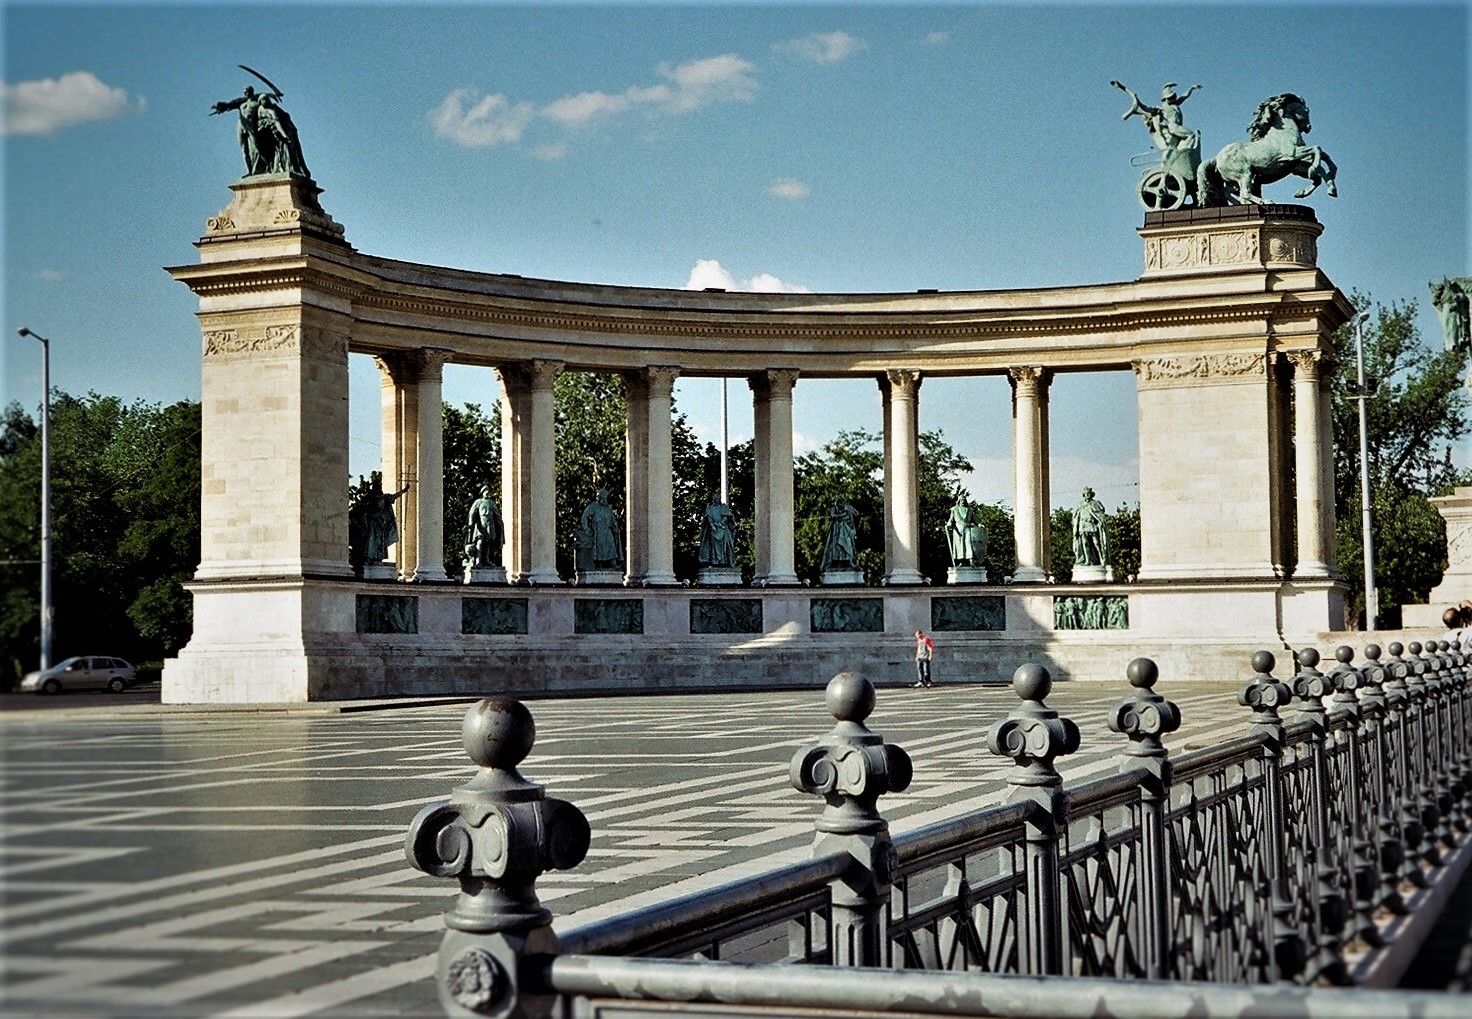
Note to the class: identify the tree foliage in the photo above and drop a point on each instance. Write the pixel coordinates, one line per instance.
(472, 461)
(125, 485)
(1416, 411)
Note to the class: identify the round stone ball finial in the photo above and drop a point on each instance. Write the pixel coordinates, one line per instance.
(1344, 654)
(1372, 652)
(1263, 662)
(498, 732)
(1396, 649)
(1032, 682)
(850, 697)
(1142, 674)
(1308, 658)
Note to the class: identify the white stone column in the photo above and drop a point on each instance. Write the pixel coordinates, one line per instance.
(1029, 383)
(540, 520)
(776, 556)
(399, 389)
(429, 496)
(1308, 464)
(651, 523)
(515, 429)
(1327, 518)
(902, 477)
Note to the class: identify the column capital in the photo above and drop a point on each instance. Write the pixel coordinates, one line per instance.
(397, 365)
(1029, 379)
(1309, 364)
(538, 373)
(430, 362)
(653, 380)
(901, 382)
(773, 383)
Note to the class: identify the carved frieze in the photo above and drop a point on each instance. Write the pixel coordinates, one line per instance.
(1201, 368)
(275, 341)
(1205, 250)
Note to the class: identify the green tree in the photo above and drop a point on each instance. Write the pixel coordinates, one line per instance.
(849, 468)
(1122, 529)
(1415, 412)
(125, 528)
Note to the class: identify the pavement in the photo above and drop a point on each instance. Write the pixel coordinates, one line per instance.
(157, 861)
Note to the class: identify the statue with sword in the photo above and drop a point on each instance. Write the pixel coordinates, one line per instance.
(268, 137)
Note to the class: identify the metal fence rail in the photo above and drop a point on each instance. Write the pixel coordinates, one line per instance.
(1268, 859)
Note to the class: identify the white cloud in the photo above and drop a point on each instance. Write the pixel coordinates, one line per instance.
(477, 122)
(708, 273)
(50, 276)
(790, 188)
(726, 78)
(551, 152)
(822, 47)
(51, 104)
(937, 38)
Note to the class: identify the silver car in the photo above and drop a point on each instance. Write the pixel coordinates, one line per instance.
(84, 673)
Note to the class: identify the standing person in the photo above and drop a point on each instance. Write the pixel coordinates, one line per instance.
(924, 655)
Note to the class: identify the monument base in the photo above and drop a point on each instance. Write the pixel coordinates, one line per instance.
(966, 575)
(485, 574)
(1093, 574)
(380, 570)
(598, 578)
(842, 578)
(718, 576)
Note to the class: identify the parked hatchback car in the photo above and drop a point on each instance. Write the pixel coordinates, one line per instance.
(82, 673)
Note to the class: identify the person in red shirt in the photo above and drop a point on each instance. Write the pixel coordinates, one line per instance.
(924, 653)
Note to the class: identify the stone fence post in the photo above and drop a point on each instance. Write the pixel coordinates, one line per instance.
(1264, 695)
(1033, 735)
(851, 768)
(1145, 717)
(496, 834)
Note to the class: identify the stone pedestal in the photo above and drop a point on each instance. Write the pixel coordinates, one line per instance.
(842, 578)
(1093, 574)
(966, 575)
(598, 578)
(485, 574)
(1456, 582)
(380, 570)
(718, 576)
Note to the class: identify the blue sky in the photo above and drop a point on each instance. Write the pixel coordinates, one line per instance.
(839, 148)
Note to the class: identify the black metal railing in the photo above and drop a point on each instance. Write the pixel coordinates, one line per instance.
(1274, 858)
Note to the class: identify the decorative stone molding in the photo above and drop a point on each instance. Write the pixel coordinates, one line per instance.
(1307, 364)
(1201, 368)
(1208, 247)
(273, 203)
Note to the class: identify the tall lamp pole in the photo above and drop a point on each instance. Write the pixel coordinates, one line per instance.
(1372, 597)
(46, 609)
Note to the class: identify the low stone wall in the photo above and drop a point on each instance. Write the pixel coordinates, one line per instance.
(259, 641)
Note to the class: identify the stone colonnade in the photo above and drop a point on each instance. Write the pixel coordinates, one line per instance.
(1227, 330)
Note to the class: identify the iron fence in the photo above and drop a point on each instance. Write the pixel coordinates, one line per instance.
(1267, 859)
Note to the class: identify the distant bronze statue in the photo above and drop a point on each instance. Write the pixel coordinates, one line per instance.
(484, 533)
(1090, 541)
(268, 138)
(965, 533)
(840, 547)
(598, 545)
(717, 535)
(1450, 299)
(1275, 149)
(372, 526)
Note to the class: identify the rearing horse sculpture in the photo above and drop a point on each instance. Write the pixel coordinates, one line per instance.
(1276, 149)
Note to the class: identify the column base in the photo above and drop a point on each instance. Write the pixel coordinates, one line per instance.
(542, 578)
(434, 576)
(900, 578)
(653, 580)
(777, 580)
(1313, 571)
(1029, 575)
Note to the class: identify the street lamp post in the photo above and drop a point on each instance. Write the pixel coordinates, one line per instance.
(46, 608)
(1372, 597)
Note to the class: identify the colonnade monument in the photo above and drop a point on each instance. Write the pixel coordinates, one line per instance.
(1226, 329)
